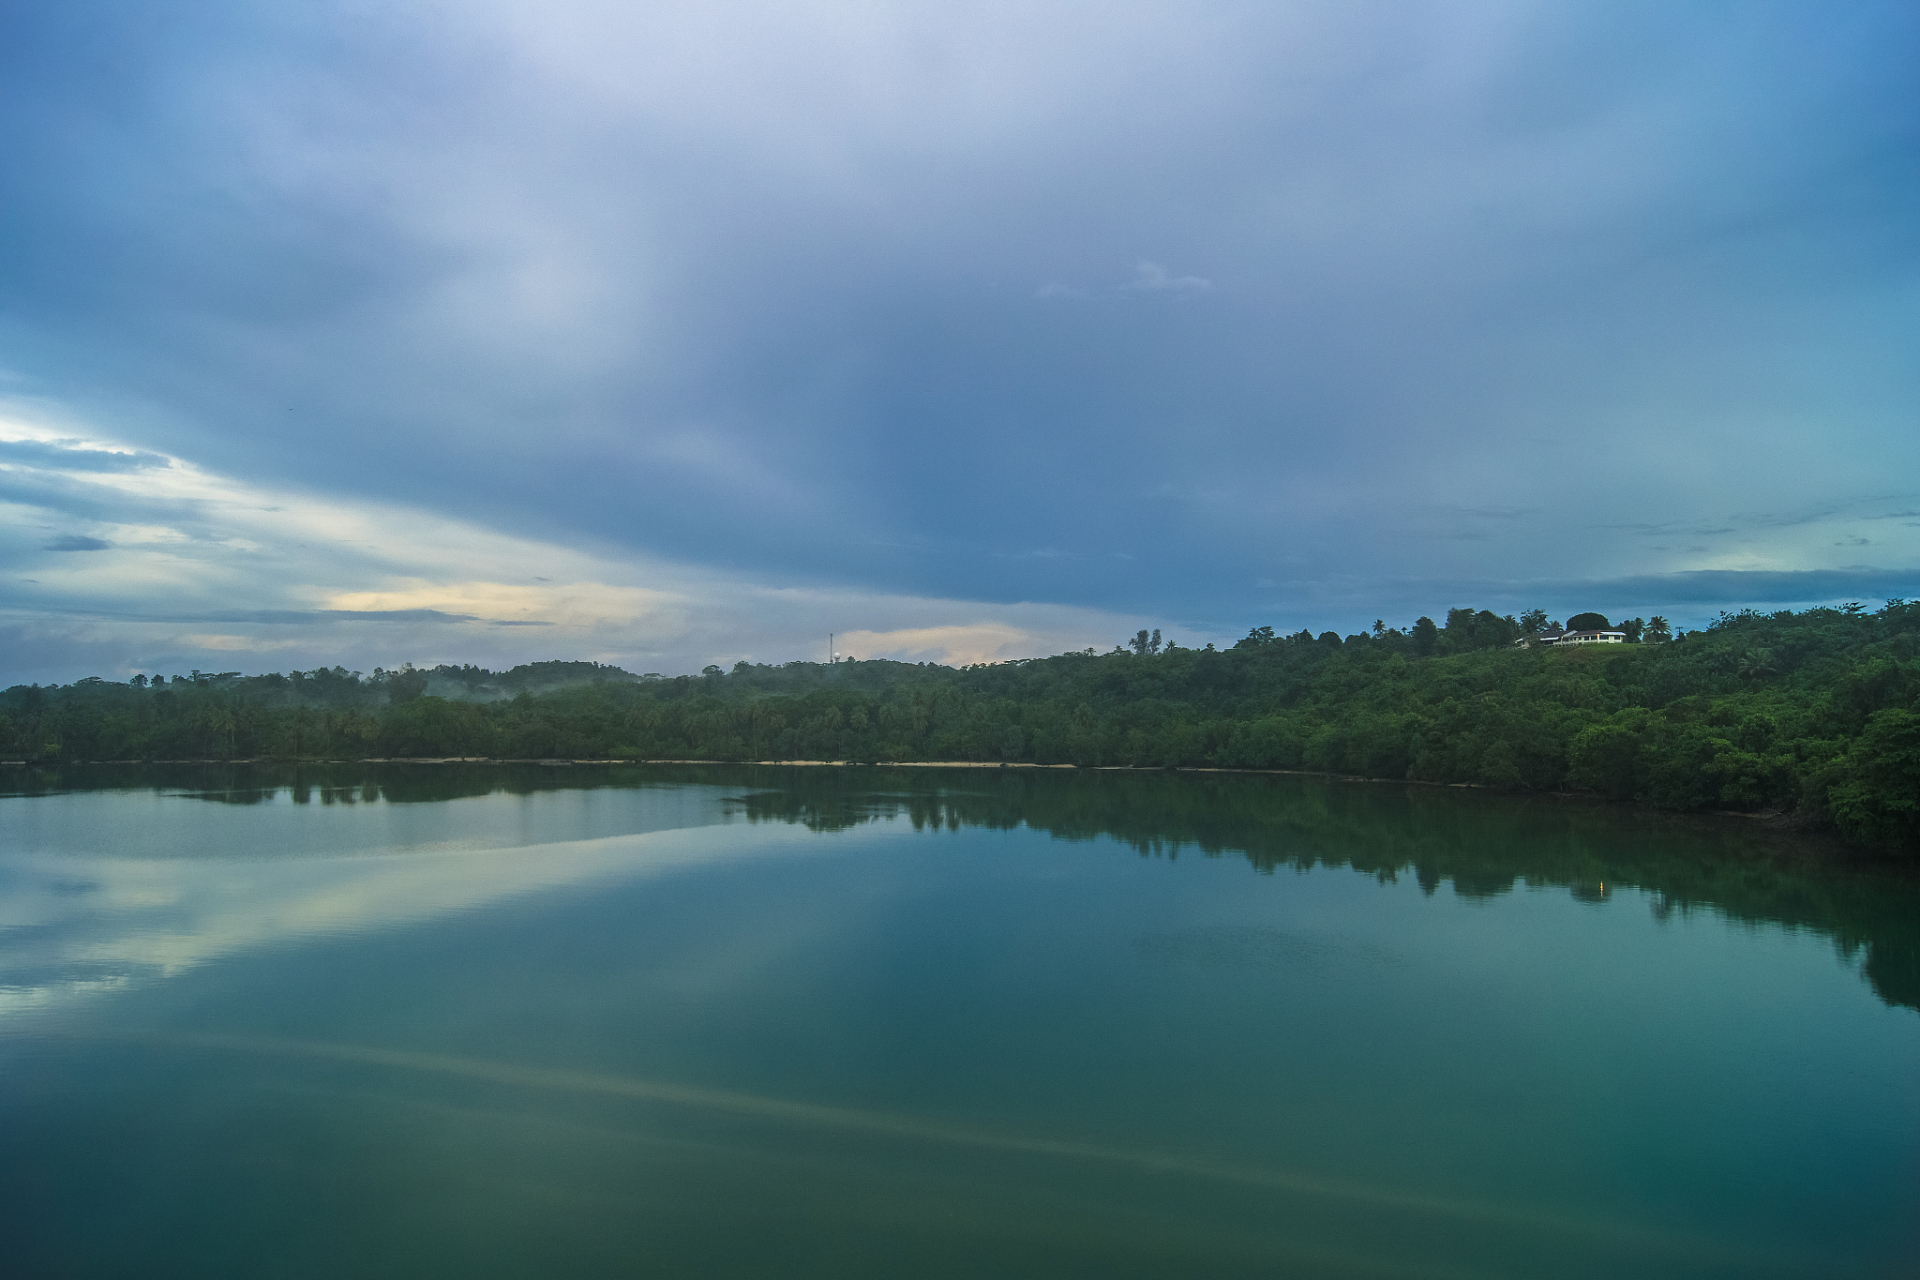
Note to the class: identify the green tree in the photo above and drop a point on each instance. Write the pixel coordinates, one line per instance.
(405, 684)
(1426, 637)
(1878, 799)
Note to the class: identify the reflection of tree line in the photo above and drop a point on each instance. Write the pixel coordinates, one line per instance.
(321, 783)
(1480, 844)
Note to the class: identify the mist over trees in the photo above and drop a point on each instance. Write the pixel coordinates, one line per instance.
(1815, 713)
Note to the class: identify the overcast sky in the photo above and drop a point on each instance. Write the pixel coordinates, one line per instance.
(672, 334)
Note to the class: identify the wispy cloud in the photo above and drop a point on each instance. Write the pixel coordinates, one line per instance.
(1151, 277)
(74, 455)
(1147, 277)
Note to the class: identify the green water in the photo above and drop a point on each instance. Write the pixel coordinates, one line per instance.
(869, 1022)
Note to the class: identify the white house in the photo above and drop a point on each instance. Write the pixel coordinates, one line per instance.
(1554, 635)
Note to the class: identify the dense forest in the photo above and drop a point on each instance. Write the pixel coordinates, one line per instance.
(1814, 713)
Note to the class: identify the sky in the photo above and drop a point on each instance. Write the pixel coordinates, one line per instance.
(666, 335)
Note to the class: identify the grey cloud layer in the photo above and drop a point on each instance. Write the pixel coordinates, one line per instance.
(1229, 314)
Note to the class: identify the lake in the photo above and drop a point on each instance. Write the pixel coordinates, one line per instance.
(390, 1021)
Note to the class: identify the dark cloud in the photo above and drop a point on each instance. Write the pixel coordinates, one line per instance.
(77, 542)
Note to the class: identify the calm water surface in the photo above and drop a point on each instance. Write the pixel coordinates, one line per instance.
(870, 1022)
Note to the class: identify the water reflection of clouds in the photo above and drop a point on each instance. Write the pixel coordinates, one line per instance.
(75, 927)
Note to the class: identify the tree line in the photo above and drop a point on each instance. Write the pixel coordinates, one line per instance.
(1813, 713)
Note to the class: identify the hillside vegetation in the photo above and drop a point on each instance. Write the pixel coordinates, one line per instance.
(1815, 713)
